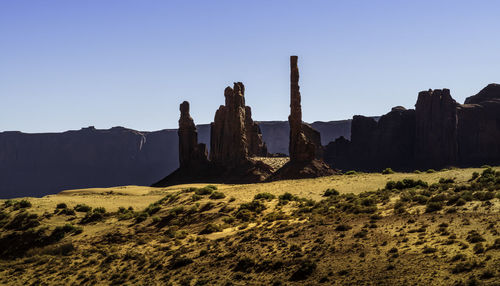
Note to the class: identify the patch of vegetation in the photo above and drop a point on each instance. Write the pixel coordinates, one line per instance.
(97, 214)
(23, 221)
(331, 192)
(264, 196)
(304, 270)
(352, 172)
(387, 171)
(211, 228)
(217, 195)
(405, 184)
(82, 208)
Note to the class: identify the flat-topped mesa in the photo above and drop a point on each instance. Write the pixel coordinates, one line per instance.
(190, 152)
(436, 129)
(234, 135)
(301, 147)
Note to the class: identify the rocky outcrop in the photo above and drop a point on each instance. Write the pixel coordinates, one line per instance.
(305, 142)
(436, 129)
(191, 153)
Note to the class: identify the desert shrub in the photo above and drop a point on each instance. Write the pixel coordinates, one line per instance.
(140, 217)
(100, 210)
(179, 261)
(196, 197)
(23, 221)
(232, 199)
(82, 208)
(264, 196)
(474, 237)
(387, 171)
(464, 267)
(399, 207)
(152, 209)
(417, 172)
(361, 234)
(288, 197)
(405, 184)
(96, 214)
(247, 211)
(433, 206)
(446, 181)
(211, 187)
(343, 227)
(487, 274)
(305, 269)
(228, 220)
(475, 175)
(483, 195)
(245, 264)
(331, 192)
(429, 171)
(428, 249)
(352, 172)
(61, 206)
(207, 206)
(273, 216)
(420, 199)
(217, 195)
(210, 228)
(66, 211)
(205, 191)
(478, 248)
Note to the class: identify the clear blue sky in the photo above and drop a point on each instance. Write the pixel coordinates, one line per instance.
(69, 64)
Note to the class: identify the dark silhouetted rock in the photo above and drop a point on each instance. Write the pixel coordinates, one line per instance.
(191, 153)
(479, 128)
(436, 129)
(376, 145)
(255, 144)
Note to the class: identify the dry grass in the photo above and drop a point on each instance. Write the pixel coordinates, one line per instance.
(300, 238)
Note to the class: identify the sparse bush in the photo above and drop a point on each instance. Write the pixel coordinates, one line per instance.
(217, 195)
(196, 197)
(387, 171)
(474, 237)
(92, 216)
(429, 171)
(61, 206)
(82, 208)
(245, 264)
(23, 221)
(264, 196)
(478, 248)
(352, 172)
(205, 191)
(210, 228)
(152, 209)
(180, 261)
(331, 192)
(405, 184)
(428, 249)
(142, 216)
(288, 197)
(343, 227)
(433, 206)
(305, 269)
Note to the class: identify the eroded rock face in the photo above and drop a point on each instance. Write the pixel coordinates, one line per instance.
(436, 129)
(301, 149)
(191, 153)
(376, 145)
(479, 128)
(234, 135)
(255, 144)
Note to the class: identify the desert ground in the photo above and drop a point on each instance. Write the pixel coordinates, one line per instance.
(421, 228)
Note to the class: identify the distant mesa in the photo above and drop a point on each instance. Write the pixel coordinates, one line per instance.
(438, 133)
